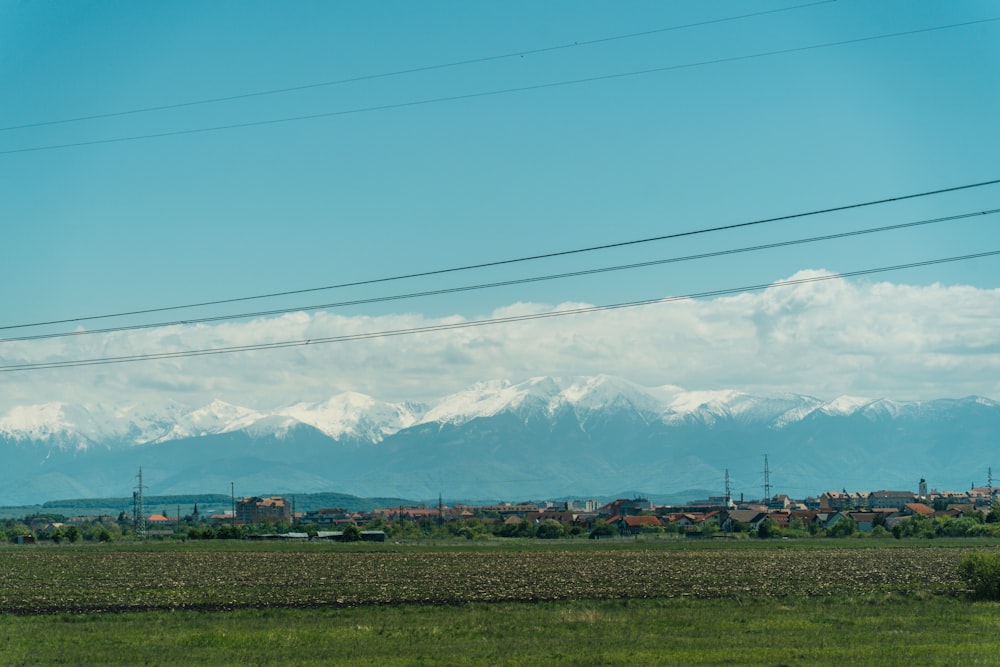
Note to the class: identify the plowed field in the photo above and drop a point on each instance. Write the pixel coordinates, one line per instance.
(51, 580)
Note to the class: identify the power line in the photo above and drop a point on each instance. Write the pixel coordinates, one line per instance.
(488, 93)
(517, 260)
(504, 283)
(411, 70)
(101, 361)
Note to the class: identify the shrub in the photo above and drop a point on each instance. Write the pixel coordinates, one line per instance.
(981, 571)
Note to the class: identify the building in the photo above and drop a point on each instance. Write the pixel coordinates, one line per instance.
(263, 510)
(838, 501)
(326, 516)
(890, 499)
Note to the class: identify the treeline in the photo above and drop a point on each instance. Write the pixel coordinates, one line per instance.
(51, 527)
(974, 524)
(91, 531)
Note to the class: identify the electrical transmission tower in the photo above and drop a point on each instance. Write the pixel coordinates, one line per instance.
(140, 509)
(767, 481)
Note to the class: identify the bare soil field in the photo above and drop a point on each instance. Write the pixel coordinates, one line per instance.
(99, 578)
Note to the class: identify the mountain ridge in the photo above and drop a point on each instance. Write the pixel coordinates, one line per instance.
(364, 417)
(545, 437)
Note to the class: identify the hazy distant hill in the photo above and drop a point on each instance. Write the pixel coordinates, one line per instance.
(545, 438)
(208, 503)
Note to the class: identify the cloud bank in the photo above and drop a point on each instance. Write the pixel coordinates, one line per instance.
(829, 338)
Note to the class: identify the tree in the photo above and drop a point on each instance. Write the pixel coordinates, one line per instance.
(550, 529)
(993, 516)
(766, 529)
(17, 529)
(73, 534)
(201, 533)
(352, 533)
(521, 528)
(917, 525)
(229, 532)
(845, 527)
(603, 529)
(377, 522)
(471, 528)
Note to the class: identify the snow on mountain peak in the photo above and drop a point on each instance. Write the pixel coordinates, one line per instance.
(36, 422)
(688, 402)
(603, 392)
(543, 396)
(485, 399)
(360, 417)
(777, 411)
(845, 405)
(216, 417)
(81, 425)
(354, 414)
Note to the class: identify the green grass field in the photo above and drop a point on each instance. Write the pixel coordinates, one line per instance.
(243, 604)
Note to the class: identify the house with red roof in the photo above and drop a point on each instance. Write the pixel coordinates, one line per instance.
(633, 525)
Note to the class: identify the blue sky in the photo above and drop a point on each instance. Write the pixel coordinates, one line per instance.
(155, 222)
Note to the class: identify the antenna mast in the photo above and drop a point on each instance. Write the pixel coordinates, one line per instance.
(729, 491)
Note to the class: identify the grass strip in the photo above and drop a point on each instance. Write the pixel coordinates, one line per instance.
(879, 629)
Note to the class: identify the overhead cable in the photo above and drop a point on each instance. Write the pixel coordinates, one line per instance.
(488, 93)
(451, 326)
(411, 70)
(517, 260)
(503, 283)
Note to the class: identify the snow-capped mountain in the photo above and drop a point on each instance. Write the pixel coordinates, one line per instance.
(543, 398)
(542, 437)
(355, 415)
(81, 426)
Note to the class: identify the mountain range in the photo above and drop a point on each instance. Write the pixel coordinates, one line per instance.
(543, 438)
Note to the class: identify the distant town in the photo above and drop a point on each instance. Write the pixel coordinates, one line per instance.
(881, 513)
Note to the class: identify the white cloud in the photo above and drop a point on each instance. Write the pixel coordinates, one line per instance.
(825, 338)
